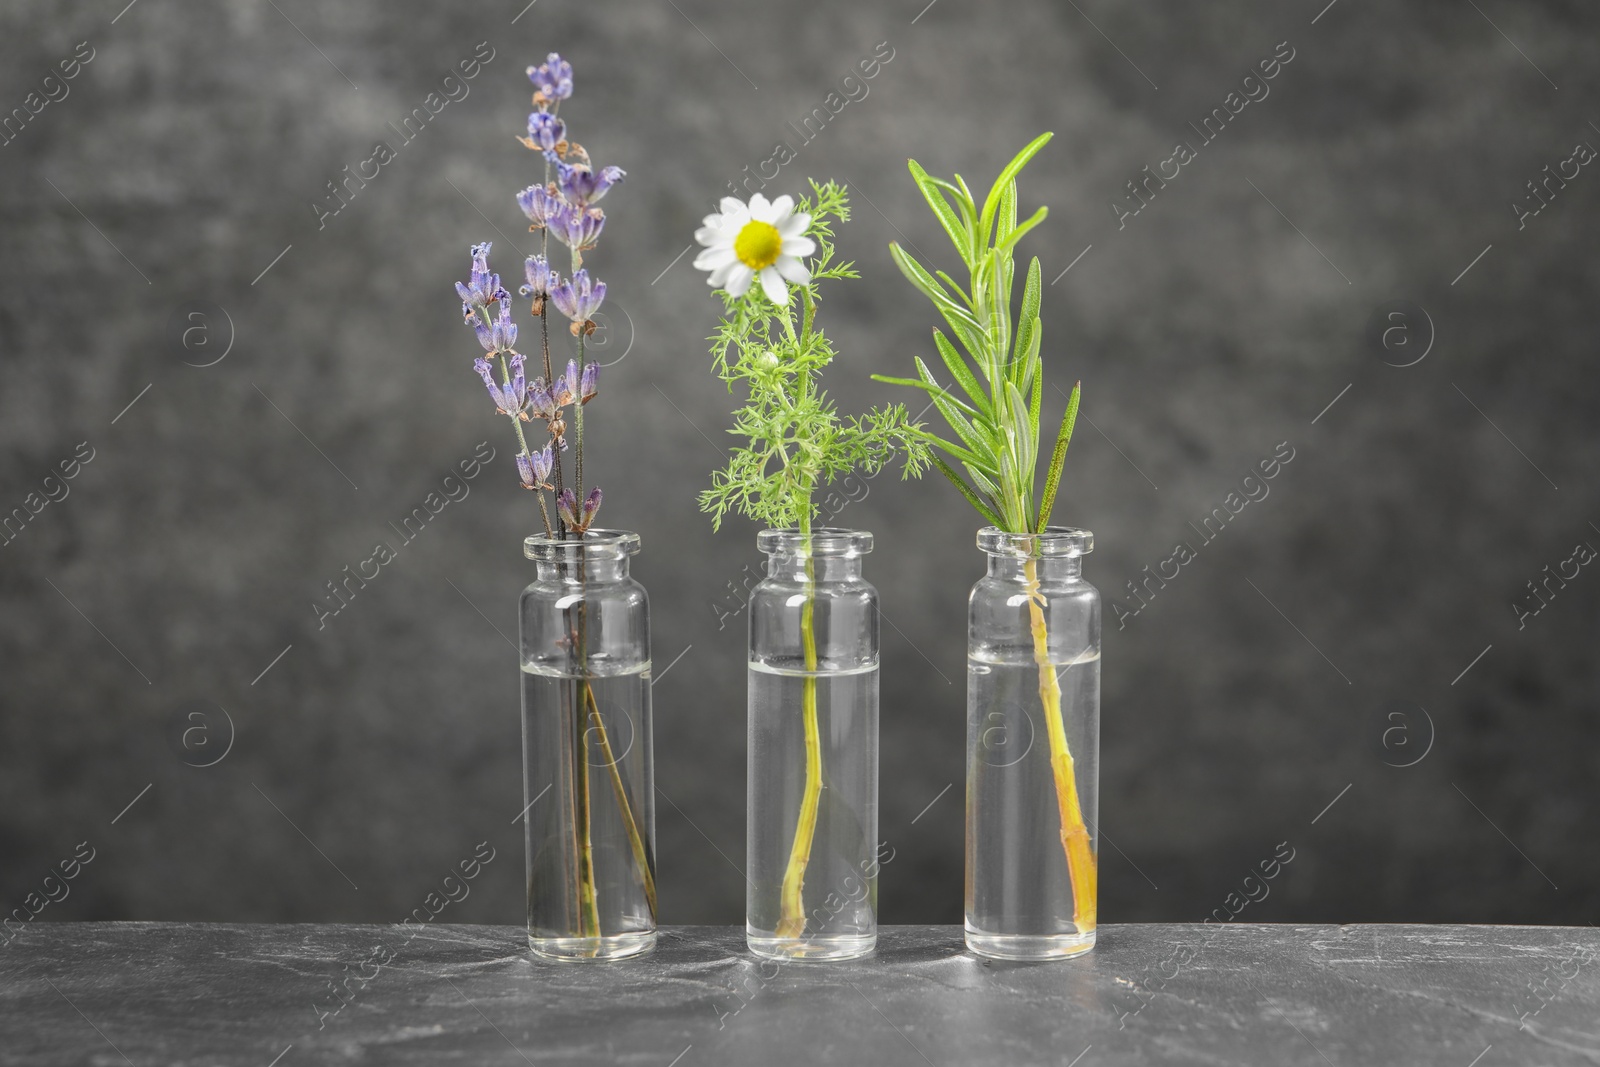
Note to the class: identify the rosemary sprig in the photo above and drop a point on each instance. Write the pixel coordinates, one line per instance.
(997, 378)
(997, 431)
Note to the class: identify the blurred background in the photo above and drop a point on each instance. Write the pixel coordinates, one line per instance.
(250, 391)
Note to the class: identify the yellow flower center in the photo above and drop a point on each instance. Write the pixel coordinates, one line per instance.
(758, 244)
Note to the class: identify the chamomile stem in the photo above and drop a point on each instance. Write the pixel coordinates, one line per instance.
(792, 921)
(1074, 834)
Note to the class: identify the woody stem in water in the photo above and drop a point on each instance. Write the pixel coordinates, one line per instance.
(1074, 834)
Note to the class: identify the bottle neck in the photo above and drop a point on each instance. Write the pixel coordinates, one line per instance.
(1049, 569)
(786, 566)
(585, 570)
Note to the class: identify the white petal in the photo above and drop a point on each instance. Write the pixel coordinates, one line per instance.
(712, 221)
(760, 208)
(712, 258)
(798, 246)
(792, 270)
(733, 206)
(781, 207)
(772, 283)
(794, 225)
(739, 282)
(722, 272)
(710, 235)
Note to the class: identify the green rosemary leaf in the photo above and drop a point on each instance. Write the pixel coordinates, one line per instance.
(971, 459)
(969, 216)
(1018, 232)
(931, 387)
(1027, 323)
(1058, 458)
(966, 491)
(959, 234)
(1027, 438)
(957, 366)
(955, 287)
(987, 481)
(1036, 400)
(931, 287)
(1005, 219)
(1008, 175)
(952, 410)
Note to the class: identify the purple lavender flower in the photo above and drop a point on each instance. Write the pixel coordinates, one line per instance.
(539, 204)
(540, 402)
(508, 399)
(591, 383)
(541, 279)
(564, 390)
(501, 334)
(543, 462)
(578, 298)
(553, 78)
(534, 470)
(577, 228)
(517, 392)
(545, 131)
(484, 287)
(567, 505)
(583, 185)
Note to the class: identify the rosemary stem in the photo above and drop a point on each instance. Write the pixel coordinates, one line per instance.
(1075, 840)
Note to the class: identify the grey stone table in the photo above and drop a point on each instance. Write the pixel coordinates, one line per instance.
(207, 995)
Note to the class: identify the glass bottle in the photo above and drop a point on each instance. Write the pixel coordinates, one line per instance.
(812, 813)
(1033, 738)
(588, 773)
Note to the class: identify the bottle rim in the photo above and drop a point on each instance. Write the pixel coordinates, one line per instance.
(1054, 542)
(595, 545)
(826, 541)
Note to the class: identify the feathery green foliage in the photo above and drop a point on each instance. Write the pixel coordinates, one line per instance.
(797, 438)
(994, 412)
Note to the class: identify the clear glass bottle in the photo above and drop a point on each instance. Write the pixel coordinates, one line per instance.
(812, 813)
(588, 769)
(1033, 740)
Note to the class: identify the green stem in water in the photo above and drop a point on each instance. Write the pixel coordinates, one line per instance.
(792, 921)
(590, 927)
(586, 895)
(1075, 841)
(641, 857)
(589, 709)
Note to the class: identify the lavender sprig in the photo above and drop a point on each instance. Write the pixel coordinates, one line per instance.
(563, 205)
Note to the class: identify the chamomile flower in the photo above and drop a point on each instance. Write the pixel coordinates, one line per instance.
(763, 239)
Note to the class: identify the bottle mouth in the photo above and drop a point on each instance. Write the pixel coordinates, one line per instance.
(1052, 543)
(826, 541)
(594, 545)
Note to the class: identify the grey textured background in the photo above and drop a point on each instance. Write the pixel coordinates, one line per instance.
(1248, 695)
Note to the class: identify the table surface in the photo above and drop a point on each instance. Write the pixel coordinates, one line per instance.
(265, 996)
